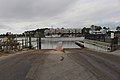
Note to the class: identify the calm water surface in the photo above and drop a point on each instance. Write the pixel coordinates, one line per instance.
(50, 43)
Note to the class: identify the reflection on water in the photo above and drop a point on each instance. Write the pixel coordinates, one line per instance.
(50, 43)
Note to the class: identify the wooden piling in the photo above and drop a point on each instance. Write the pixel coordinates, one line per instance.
(39, 39)
(30, 46)
(22, 43)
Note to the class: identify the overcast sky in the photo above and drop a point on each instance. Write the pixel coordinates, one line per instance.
(20, 15)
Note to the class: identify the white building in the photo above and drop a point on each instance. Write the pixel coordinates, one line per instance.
(52, 31)
(103, 31)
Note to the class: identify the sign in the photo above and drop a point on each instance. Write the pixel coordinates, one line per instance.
(112, 35)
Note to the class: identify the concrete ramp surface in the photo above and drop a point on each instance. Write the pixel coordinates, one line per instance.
(76, 64)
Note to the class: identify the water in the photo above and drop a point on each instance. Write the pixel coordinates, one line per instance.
(51, 43)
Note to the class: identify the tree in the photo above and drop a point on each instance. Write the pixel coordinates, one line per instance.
(106, 28)
(118, 28)
(97, 28)
(92, 27)
(85, 30)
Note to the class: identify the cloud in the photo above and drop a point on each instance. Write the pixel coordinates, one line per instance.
(33, 14)
(93, 11)
(32, 9)
(3, 26)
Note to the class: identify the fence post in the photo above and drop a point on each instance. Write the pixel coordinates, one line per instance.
(22, 43)
(37, 43)
(25, 43)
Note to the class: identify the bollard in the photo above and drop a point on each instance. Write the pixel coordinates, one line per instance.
(63, 49)
(55, 49)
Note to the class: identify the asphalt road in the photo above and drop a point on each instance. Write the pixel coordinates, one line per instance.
(74, 64)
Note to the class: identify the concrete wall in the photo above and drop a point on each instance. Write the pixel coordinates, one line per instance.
(97, 45)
